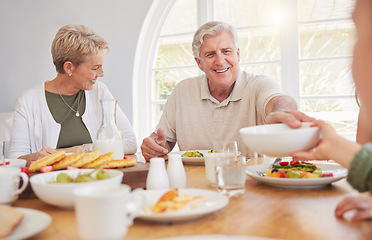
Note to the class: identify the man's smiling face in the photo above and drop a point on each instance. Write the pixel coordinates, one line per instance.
(219, 58)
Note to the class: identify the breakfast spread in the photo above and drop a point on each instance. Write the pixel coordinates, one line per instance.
(91, 159)
(101, 160)
(173, 201)
(193, 154)
(68, 160)
(47, 160)
(296, 169)
(86, 158)
(10, 218)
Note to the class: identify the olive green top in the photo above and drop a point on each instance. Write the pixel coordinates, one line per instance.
(360, 172)
(73, 130)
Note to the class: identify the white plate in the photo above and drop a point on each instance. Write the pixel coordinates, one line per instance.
(192, 160)
(15, 162)
(32, 223)
(214, 202)
(216, 237)
(338, 171)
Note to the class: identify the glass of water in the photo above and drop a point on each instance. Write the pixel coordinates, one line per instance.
(230, 174)
(220, 147)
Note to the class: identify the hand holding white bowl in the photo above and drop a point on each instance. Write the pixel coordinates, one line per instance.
(279, 140)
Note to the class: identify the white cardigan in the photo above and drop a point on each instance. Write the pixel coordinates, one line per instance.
(34, 126)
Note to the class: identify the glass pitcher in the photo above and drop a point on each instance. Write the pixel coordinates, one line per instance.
(109, 137)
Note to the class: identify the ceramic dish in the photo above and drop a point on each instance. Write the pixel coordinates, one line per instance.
(216, 237)
(192, 160)
(61, 194)
(338, 171)
(14, 162)
(214, 202)
(32, 223)
(279, 140)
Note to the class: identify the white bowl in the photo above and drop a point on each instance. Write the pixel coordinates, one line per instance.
(15, 162)
(279, 140)
(61, 194)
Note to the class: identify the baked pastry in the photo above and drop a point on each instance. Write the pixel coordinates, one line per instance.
(103, 159)
(10, 217)
(129, 162)
(68, 160)
(47, 160)
(86, 158)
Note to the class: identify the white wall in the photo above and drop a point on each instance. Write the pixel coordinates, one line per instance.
(27, 29)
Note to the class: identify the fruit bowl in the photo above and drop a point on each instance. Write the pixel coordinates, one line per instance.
(279, 140)
(61, 194)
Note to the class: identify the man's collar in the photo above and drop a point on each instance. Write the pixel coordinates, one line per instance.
(235, 95)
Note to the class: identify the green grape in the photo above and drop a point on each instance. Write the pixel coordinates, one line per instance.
(102, 175)
(84, 178)
(64, 178)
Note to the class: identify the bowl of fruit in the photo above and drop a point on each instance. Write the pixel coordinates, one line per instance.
(56, 188)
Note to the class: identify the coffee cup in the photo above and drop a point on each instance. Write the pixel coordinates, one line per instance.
(106, 211)
(9, 184)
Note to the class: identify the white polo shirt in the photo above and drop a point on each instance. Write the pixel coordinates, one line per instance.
(193, 118)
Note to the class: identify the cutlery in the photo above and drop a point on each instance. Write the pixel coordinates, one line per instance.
(261, 174)
(277, 160)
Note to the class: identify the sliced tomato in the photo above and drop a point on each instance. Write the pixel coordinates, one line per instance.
(26, 170)
(327, 174)
(283, 164)
(47, 169)
(307, 163)
(294, 162)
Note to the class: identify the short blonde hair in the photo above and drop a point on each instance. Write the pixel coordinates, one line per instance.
(75, 43)
(211, 29)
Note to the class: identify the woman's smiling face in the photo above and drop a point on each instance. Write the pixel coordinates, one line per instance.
(219, 58)
(86, 74)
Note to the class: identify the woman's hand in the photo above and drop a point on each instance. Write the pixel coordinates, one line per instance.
(329, 147)
(361, 205)
(45, 151)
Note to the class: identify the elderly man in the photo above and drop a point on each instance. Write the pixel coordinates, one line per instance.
(216, 105)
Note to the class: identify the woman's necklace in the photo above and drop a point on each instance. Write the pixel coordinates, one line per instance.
(77, 114)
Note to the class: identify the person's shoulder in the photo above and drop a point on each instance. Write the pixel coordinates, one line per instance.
(250, 78)
(255, 77)
(35, 90)
(189, 82)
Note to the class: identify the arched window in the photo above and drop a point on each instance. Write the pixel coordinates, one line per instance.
(305, 45)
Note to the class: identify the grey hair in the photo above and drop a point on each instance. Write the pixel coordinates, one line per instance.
(211, 29)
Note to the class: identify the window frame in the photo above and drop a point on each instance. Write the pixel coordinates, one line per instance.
(148, 44)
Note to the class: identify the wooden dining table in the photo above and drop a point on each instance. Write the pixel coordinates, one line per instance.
(262, 211)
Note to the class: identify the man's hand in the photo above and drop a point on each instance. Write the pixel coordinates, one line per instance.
(292, 118)
(155, 146)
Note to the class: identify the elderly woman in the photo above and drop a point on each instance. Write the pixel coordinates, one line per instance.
(65, 112)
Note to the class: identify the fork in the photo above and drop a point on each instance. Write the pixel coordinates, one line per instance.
(261, 174)
(277, 160)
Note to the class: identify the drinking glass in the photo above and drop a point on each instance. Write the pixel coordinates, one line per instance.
(219, 147)
(230, 174)
(225, 146)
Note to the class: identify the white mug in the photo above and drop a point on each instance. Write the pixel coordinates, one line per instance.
(9, 184)
(106, 211)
